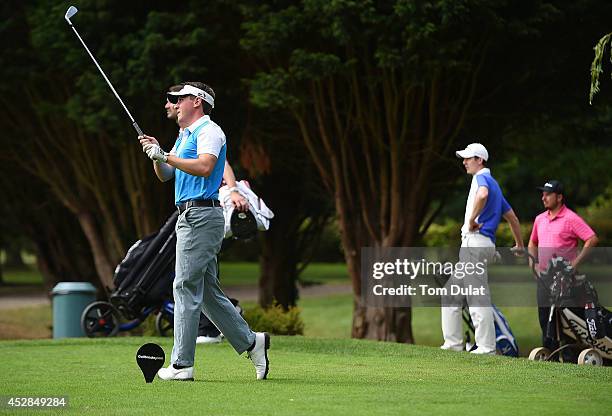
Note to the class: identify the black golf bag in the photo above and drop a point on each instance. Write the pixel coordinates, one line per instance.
(577, 320)
(563, 288)
(144, 277)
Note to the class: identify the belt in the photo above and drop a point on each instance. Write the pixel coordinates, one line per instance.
(197, 203)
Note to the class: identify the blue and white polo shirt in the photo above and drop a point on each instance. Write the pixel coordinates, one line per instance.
(203, 136)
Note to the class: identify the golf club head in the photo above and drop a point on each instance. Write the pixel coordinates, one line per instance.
(70, 12)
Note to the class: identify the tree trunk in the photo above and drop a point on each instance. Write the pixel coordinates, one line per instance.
(288, 185)
(104, 267)
(383, 324)
(279, 253)
(49, 278)
(62, 251)
(2, 244)
(277, 282)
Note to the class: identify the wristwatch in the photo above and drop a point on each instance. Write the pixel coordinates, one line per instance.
(234, 189)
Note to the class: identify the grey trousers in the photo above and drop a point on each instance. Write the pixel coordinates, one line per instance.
(199, 233)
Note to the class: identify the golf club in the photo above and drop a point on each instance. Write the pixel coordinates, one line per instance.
(71, 12)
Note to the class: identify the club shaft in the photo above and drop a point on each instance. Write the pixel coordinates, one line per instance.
(134, 124)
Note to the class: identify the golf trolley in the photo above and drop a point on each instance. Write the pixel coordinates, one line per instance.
(590, 326)
(143, 285)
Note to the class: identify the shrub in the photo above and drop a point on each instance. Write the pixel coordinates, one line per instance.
(504, 236)
(147, 328)
(275, 320)
(448, 234)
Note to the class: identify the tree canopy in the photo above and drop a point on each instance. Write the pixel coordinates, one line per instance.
(384, 92)
(359, 103)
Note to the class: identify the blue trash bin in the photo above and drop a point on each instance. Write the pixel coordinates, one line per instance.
(69, 301)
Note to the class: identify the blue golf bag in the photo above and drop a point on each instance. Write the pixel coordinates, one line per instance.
(504, 338)
(505, 342)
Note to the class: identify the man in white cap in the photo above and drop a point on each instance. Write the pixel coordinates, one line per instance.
(484, 209)
(196, 164)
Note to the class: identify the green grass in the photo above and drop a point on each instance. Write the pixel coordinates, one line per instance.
(324, 317)
(242, 273)
(232, 274)
(512, 285)
(426, 326)
(330, 273)
(307, 377)
(21, 281)
(327, 317)
(332, 316)
(25, 281)
(26, 276)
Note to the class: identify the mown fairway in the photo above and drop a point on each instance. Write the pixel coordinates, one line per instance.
(307, 377)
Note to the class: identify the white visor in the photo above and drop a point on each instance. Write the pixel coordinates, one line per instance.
(196, 92)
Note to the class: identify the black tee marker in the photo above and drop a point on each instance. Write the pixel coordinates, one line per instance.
(150, 358)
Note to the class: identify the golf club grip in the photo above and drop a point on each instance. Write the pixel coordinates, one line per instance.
(137, 128)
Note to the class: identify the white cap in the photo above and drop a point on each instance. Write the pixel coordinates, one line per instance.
(473, 150)
(191, 90)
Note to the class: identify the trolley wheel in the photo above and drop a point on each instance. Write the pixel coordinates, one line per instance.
(164, 324)
(590, 356)
(100, 319)
(539, 354)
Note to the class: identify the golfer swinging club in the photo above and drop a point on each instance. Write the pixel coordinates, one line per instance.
(196, 163)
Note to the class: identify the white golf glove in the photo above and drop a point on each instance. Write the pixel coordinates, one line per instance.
(155, 153)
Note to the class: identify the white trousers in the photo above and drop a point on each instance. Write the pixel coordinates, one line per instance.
(482, 315)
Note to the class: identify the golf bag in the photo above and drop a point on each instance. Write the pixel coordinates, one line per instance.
(576, 309)
(504, 338)
(505, 342)
(144, 277)
(577, 328)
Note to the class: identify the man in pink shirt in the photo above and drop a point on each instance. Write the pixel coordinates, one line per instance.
(556, 232)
